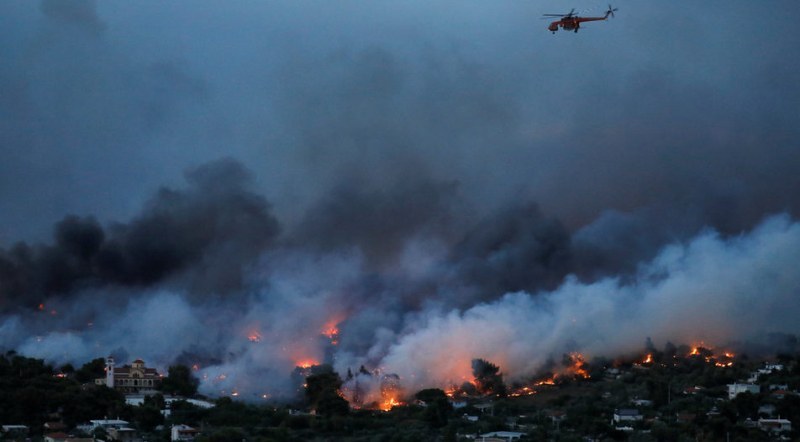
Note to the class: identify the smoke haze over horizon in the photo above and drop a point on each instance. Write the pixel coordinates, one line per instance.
(220, 184)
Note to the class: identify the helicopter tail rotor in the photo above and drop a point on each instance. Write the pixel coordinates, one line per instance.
(611, 11)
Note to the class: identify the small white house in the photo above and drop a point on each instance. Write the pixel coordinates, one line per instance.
(501, 435)
(627, 415)
(735, 389)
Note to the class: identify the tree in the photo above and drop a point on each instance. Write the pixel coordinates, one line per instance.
(438, 407)
(488, 378)
(180, 381)
(429, 395)
(322, 393)
(94, 369)
(148, 417)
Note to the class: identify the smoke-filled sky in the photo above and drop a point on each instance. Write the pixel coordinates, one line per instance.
(432, 177)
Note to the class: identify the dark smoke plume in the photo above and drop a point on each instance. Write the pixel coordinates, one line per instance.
(207, 234)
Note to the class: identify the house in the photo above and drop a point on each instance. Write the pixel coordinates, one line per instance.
(692, 390)
(626, 415)
(780, 394)
(500, 436)
(122, 434)
(53, 427)
(770, 368)
(134, 378)
(458, 404)
(183, 433)
(56, 437)
(767, 410)
(735, 389)
(15, 431)
(105, 424)
(60, 436)
(775, 425)
(196, 402)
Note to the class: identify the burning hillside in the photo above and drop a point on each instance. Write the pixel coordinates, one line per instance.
(299, 304)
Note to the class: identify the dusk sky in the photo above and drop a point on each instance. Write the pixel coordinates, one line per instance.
(404, 165)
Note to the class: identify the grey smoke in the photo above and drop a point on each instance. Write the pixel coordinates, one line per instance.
(416, 178)
(205, 234)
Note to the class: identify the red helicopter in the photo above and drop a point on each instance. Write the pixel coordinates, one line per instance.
(572, 22)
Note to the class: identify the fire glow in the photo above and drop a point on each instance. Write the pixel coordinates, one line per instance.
(390, 392)
(331, 330)
(254, 337)
(306, 363)
(578, 365)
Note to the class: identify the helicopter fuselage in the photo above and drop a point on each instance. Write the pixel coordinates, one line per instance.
(572, 23)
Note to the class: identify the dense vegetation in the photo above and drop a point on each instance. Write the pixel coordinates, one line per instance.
(664, 389)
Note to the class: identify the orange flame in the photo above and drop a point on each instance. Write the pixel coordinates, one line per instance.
(331, 330)
(578, 363)
(648, 359)
(306, 363)
(389, 403)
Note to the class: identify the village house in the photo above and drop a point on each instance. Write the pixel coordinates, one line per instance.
(134, 378)
(626, 415)
(767, 410)
(775, 425)
(14, 431)
(56, 437)
(183, 433)
(122, 434)
(735, 389)
(501, 436)
(53, 427)
(105, 424)
(64, 437)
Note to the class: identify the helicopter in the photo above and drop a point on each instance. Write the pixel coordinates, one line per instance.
(572, 22)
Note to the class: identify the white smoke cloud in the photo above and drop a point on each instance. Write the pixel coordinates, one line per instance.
(710, 289)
